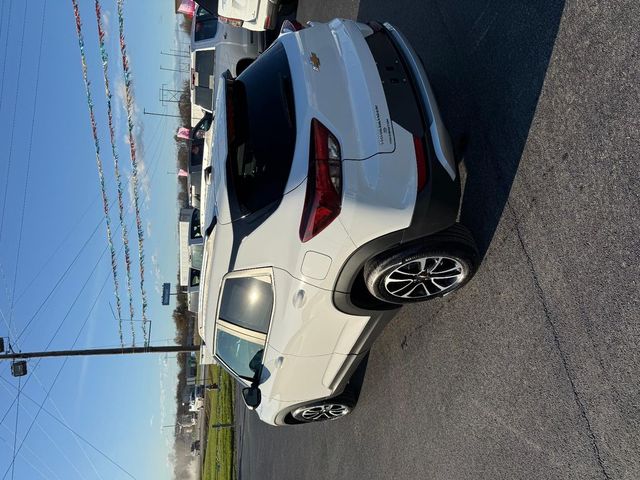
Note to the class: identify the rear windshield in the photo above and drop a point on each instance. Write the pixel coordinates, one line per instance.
(262, 131)
(206, 25)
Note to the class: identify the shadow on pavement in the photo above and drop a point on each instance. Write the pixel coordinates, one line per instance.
(487, 62)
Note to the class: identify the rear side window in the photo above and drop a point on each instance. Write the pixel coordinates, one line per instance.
(263, 133)
(196, 231)
(203, 82)
(194, 277)
(195, 154)
(206, 25)
(247, 302)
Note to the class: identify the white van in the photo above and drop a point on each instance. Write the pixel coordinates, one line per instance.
(215, 48)
(257, 15)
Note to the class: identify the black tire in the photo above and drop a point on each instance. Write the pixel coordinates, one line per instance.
(287, 7)
(428, 268)
(322, 410)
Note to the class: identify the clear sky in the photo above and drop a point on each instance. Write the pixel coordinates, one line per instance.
(119, 404)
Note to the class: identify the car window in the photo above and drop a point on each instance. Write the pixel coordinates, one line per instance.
(206, 25)
(197, 252)
(247, 302)
(237, 352)
(196, 231)
(194, 277)
(196, 153)
(263, 131)
(210, 5)
(202, 127)
(203, 84)
(203, 97)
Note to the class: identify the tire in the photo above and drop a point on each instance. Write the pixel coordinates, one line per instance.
(287, 7)
(429, 268)
(324, 410)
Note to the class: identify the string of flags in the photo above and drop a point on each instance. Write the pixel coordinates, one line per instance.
(105, 201)
(134, 162)
(116, 165)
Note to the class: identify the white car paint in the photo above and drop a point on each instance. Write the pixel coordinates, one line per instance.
(311, 345)
(252, 13)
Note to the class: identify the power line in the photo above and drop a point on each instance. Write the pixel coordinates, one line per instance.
(58, 282)
(64, 319)
(74, 432)
(6, 52)
(34, 454)
(13, 121)
(44, 265)
(41, 405)
(44, 431)
(15, 431)
(26, 179)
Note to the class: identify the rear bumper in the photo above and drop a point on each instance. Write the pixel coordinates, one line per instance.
(411, 105)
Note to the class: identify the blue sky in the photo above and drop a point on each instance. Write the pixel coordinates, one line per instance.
(119, 404)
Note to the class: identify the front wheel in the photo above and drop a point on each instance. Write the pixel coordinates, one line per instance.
(437, 266)
(329, 409)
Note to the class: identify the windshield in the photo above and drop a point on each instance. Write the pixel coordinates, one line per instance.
(237, 353)
(262, 131)
(206, 25)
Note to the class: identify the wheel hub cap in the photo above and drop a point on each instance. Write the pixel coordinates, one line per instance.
(425, 277)
(328, 411)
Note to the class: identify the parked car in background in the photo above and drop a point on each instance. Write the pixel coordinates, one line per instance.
(335, 196)
(215, 48)
(191, 252)
(256, 15)
(197, 146)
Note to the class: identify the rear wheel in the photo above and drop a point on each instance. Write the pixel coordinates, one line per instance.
(431, 268)
(329, 409)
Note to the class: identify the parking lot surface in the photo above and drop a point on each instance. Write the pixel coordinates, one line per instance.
(531, 371)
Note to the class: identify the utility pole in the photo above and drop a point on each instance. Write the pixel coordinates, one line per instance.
(101, 351)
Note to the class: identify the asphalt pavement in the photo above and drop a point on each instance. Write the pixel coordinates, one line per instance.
(532, 371)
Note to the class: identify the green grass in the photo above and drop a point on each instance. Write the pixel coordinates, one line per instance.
(218, 457)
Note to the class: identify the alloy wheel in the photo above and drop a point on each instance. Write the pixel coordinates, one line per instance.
(425, 277)
(327, 411)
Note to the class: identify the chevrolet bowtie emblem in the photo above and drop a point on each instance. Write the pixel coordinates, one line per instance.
(315, 61)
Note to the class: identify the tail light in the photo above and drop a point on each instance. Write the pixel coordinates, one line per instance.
(267, 22)
(234, 22)
(289, 26)
(323, 200)
(421, 162)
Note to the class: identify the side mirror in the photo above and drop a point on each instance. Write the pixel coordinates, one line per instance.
(252, 397)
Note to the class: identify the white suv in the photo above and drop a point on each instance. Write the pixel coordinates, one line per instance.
(334, 194)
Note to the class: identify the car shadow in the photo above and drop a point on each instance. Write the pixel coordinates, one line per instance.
(487, 61)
